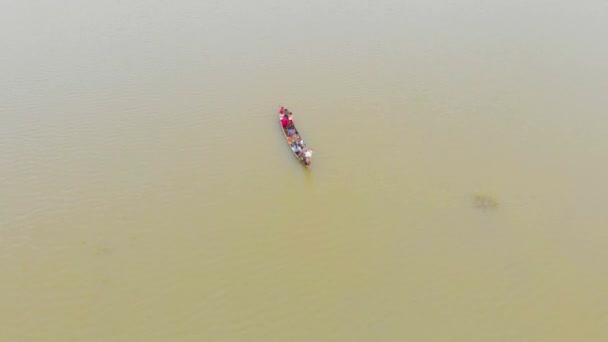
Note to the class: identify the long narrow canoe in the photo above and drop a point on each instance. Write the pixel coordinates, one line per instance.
(293, 139)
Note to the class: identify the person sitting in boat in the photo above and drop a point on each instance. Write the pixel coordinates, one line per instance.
(291, 132)
(296, 149)
(282, 110)
(284, 122)
(290, 117)
(307, 156)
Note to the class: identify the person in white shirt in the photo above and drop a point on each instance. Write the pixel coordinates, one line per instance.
(307, 156)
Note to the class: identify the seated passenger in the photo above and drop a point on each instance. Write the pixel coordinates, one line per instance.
(307, 156)
(290, 117)
(284, 122)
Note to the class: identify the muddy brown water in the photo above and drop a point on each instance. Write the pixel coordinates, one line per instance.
(147, 194)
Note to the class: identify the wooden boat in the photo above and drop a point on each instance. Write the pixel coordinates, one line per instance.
(293, 138)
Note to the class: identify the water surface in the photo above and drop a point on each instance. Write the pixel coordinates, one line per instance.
(147, 192)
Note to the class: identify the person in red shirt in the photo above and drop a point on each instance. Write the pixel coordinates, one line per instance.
(290, 117)
(285, 122)
(282, 110)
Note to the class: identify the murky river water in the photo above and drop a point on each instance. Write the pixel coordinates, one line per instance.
(457, 192)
